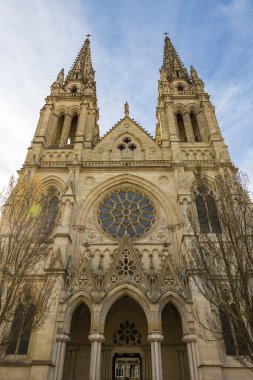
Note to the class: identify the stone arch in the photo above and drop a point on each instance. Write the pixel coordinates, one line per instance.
(53, 180)
(74, 302)
(121, 149)
(127, 133)
(180, 108)
(120, 291)
(173, 350)
(85, 205)
(192, 107)
(78, 348)
(74, 111)
(180, 305)
(126, 336)
(61, 110)
(208, 180)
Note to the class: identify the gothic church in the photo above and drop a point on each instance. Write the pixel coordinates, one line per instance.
(122, 312)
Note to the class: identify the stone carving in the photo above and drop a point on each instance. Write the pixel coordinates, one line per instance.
(83, 280)
(168, 277)
(163, 180)
(89, 181)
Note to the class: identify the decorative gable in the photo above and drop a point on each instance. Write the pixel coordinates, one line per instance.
(127, 141)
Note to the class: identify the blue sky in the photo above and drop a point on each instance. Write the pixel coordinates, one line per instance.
(39, 37)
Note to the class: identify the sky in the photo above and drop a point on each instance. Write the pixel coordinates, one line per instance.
(39, 37)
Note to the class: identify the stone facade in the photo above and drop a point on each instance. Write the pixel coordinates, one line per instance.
(119, 307)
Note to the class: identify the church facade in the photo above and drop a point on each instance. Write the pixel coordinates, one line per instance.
(120, 310)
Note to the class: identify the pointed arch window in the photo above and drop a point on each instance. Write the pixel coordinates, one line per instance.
(233, 340)
(51, 205)
(181, 128)
(195, 127)
(207, 210)
(21, 329)
(72, 131)
(59, 128)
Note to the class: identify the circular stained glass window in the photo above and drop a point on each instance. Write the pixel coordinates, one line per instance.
(126, 212)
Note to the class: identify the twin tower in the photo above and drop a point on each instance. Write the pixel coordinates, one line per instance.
(68, 126)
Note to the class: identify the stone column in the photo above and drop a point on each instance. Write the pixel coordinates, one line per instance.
(155, 338)
(203, 130)
(73, 351)
(65, 129)
(82, 121)
(96, 339)
(188, 127)
(107, 363)
(190, 341)
(61, 340)
(146, 365)
(181, 351)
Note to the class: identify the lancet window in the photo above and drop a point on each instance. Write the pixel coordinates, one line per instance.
(21, 330)
(52, 206)
(207, 210)
(181, 128)
(232, 337)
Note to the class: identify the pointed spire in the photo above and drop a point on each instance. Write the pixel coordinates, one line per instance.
(82, 70)
(172, 64)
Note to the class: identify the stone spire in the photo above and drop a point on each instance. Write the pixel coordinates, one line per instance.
(82, 71)
(172, 64)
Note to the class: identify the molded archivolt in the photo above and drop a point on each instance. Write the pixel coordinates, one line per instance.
(184, 309)
(152, 311)
(122, 180)
(53, 180)
(73, 303)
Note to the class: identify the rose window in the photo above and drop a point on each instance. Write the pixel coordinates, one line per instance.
(126, 212)
(127, 334)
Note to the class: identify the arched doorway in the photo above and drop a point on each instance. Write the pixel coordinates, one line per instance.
(174, 352)
(126, 352)
(77, 355)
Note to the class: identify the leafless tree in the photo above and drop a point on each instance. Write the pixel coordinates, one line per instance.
(27, 223)
(220, 259)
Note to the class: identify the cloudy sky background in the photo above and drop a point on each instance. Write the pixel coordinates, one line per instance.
(39, 37)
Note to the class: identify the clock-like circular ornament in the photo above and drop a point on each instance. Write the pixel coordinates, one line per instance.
(126, 212)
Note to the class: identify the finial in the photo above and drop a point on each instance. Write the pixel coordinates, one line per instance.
(126, 106)
(166, 34)
(88, 35)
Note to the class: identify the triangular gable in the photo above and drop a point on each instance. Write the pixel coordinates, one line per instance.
(126, 267)
(168, 278)
(127, 119)
(83, 279)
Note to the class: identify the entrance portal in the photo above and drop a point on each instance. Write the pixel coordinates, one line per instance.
(127, 366)
(174, 352)
(77, 355)
(126, 351)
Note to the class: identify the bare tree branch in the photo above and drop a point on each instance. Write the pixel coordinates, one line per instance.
(26, 230)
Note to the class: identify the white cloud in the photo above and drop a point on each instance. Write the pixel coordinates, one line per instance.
(41, 37)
